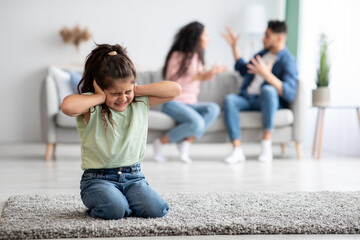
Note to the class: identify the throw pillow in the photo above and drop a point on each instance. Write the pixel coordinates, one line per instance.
(62, 80)
(75, 78)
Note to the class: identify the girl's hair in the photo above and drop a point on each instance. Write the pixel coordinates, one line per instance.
(187, 41)
(106, 64)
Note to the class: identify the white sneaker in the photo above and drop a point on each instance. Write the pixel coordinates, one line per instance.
(266, 151)
(237, 155)
(184, 147)
(158, 147)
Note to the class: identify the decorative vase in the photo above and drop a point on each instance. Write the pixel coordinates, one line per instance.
(321, 97)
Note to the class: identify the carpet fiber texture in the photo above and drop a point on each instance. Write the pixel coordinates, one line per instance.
(63, 216)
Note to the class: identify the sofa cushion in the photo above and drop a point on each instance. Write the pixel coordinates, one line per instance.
(160, 121)
(252, 119)
(146, 77)
(65, 121)
(221, 85)
(283, 117)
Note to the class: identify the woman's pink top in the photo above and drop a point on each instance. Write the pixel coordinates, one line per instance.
(190, 87)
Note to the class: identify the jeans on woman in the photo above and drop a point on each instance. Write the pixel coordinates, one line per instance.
(191, 119)
(120, 192)
(267, 102)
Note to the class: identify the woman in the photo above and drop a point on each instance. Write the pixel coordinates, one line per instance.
(185, 65)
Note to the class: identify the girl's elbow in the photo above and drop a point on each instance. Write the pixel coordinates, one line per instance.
(171, 89)
(66, 109)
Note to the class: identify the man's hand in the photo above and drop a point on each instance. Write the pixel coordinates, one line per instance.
(259, 67)
(231, 37)
(233, 40)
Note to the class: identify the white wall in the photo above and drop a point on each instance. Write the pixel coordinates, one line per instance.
(30, 41)
(340, 20)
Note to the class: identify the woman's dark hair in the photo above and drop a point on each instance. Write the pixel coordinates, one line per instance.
(106, 64)
(277, 26)
(187, 41)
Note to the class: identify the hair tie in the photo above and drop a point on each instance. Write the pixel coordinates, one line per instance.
(113, 53)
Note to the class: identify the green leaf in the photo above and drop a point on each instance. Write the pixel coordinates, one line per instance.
(324, 67)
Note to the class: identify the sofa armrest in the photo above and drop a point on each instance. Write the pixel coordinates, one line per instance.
(49, 108)
(298, 107)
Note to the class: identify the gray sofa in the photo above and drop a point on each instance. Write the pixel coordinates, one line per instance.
(59, 128)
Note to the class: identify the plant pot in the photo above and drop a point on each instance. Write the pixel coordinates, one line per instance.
(321, 97)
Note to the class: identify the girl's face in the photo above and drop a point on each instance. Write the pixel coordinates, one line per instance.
(204, 38)
(119, 95)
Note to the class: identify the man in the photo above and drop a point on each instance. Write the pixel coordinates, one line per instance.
(270, 83)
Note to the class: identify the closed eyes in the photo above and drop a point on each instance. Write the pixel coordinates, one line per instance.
(117, 94)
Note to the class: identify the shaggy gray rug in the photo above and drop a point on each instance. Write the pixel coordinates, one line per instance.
(62, 216)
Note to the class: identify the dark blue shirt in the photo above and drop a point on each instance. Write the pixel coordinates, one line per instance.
(284, 68)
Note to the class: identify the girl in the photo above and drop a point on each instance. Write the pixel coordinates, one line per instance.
(111, 116)
(185, 65)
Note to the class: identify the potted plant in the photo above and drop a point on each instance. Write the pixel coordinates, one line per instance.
(321, 95)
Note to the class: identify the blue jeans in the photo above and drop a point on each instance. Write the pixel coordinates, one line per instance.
(110, 194)
(267, 102)
(192, 120)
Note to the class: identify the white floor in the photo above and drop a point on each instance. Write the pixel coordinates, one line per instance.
(24, 171)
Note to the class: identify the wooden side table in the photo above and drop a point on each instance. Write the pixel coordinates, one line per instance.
(320, 126)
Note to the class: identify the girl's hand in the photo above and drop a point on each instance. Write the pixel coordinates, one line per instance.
(158, 92)
(98, 90)
(135, 89)
(77, 104)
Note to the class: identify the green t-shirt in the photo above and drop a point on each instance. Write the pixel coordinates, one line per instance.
(122, 145)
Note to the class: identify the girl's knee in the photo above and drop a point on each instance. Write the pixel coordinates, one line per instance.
(156, 209)
(110, 211)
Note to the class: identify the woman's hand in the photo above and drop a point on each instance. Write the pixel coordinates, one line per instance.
(208, 75)
(216, 69)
